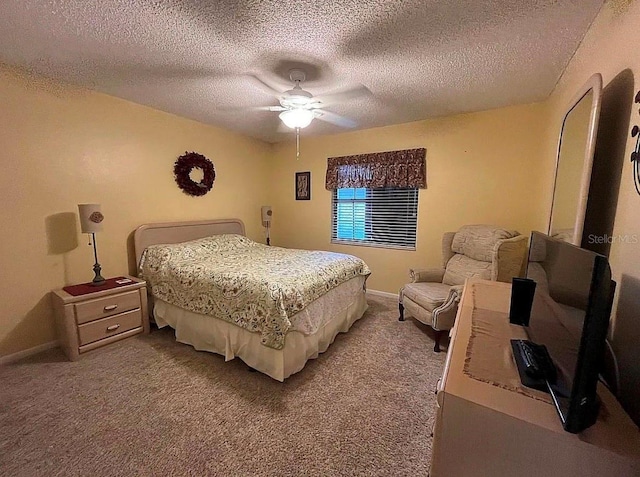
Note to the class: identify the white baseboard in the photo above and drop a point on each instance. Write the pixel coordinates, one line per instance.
(383, 293)
(28, 352)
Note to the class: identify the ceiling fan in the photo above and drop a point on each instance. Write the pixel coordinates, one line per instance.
(299, 107)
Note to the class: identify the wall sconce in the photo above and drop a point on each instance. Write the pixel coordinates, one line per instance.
(91, 222)
(635, 155)
(266, 220)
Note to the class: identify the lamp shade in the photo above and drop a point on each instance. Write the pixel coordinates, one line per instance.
(296, 118)
(90, 218)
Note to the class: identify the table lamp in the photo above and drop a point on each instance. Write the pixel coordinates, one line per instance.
(91, 222)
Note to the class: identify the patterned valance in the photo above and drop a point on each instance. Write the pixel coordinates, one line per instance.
(404, 168)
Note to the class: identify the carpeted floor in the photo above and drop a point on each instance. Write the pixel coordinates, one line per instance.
(151, 406)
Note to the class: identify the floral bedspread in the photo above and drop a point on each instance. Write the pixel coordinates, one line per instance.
(246, 283)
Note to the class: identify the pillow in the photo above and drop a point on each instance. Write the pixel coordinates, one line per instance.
(161, 254)
(223, 242)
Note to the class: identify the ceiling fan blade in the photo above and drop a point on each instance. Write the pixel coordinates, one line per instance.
(276, 109)
(341, 96)
(336, 119)
(273, 109)
(265, 87)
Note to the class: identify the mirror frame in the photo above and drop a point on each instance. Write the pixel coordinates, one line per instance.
(594, 83)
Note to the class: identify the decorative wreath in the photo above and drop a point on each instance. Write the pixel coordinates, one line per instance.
(182, 170)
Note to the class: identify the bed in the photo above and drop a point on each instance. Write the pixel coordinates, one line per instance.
(274, 308)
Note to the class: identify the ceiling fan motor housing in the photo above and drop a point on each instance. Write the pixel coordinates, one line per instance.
(296, 97)
(296, 75)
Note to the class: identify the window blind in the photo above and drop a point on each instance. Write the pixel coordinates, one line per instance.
(385, 217)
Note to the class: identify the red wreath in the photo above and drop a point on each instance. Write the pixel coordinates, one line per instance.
(182, 170)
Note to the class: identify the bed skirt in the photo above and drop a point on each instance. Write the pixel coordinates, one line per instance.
(339, 309)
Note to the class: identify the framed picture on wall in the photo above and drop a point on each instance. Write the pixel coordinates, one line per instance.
(303, 185)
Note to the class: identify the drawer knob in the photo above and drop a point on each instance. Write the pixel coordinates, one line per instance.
(110, 307)
(113, 327)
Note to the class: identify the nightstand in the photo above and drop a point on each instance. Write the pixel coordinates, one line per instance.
(88, 319)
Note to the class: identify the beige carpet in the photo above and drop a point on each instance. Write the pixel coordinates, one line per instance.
(151, 406)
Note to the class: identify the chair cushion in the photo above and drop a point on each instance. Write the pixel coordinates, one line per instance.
(460, 268)
(428, 295)
(478, 241)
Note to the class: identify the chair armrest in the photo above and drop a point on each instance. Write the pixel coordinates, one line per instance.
(455, 293)
(445, 315)
(418, 275)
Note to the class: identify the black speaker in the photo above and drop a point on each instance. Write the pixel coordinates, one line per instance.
(522, 291)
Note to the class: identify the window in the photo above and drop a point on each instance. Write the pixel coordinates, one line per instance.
(385, 217)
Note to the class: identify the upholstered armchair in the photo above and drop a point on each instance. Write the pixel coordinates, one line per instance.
(474, 251)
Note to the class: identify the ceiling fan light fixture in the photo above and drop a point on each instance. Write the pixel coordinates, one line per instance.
(297, 118)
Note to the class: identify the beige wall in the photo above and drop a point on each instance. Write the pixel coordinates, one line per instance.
(481, 168)
(61, 146)
(610, 48)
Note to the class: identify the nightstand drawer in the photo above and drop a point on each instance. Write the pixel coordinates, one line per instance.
(110, 305)
(99, 329)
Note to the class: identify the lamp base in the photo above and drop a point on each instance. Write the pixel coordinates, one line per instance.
(97, 279)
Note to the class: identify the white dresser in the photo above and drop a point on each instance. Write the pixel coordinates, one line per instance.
(484, 430)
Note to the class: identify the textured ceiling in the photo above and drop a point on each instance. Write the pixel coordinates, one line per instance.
(209, 60)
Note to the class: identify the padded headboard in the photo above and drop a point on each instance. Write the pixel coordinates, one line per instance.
(176, 232)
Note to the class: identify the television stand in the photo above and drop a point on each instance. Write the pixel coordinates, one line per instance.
(485, 429)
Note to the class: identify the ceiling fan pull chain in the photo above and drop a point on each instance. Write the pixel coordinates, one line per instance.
(297, 144)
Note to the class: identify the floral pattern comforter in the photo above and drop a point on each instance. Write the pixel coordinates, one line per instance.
(246, 283)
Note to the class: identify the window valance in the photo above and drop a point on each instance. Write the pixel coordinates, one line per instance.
(405, 168)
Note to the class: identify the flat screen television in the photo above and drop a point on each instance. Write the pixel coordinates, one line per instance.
(570, 316)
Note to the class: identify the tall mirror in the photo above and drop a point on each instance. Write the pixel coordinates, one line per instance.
(574, 162)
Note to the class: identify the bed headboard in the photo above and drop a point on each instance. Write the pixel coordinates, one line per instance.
(175, 232)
